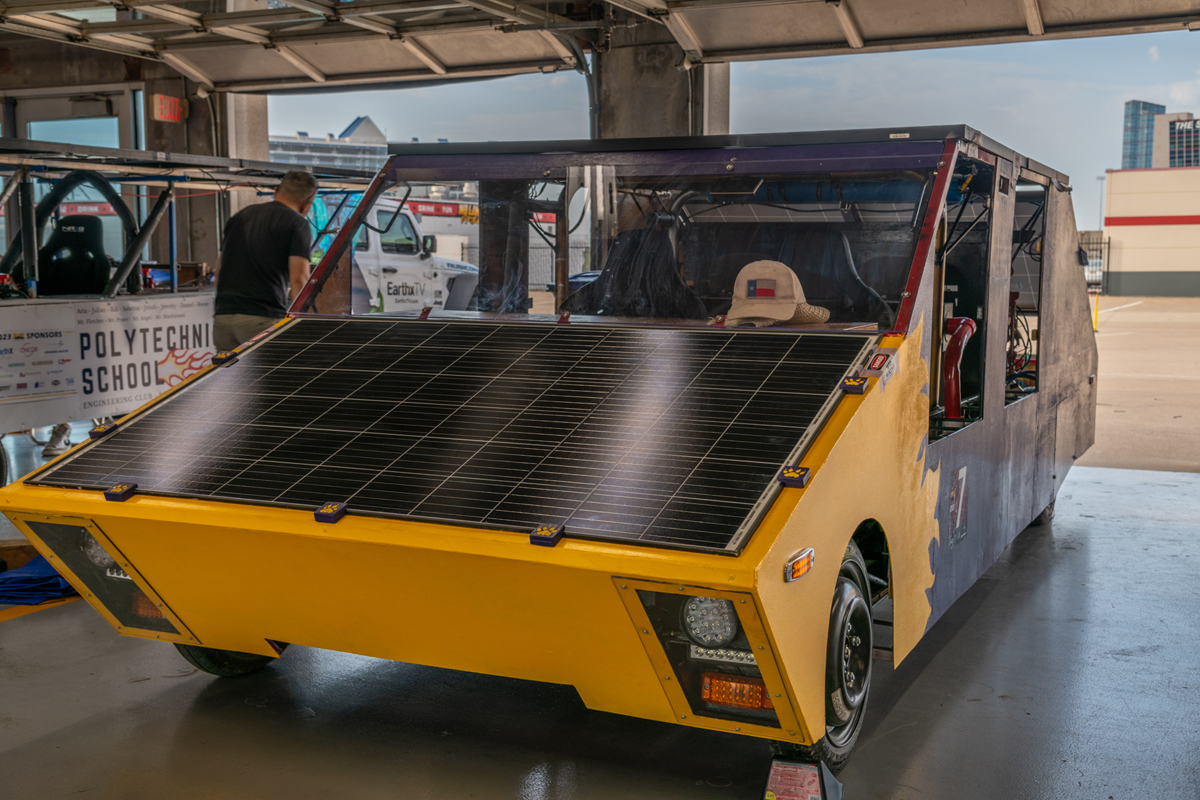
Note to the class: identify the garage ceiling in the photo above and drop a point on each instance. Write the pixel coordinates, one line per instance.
(296, 44)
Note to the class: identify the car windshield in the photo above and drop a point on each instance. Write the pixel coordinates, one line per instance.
(780, 237)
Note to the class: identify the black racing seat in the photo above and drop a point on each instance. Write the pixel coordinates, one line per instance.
(73, 260)
(640, 279)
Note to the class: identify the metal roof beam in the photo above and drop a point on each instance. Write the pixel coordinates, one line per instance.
(640, 7)
(10, 25)
(372, 23)
(427, 58)
(264, 17)
(515, 12)
(180, 16)
(1174, 23)
(367, 78)
(185, 67)
(1033, 17)
(72, 32)
(849, 25)
(684, 35)
(337, 32)
(289, 55)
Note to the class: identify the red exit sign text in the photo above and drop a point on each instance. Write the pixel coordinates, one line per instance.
(164, 108)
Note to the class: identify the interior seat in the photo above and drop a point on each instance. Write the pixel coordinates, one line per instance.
(73, 260)
(640, 279)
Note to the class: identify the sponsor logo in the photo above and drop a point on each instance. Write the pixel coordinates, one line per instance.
(5, 376)
(56, 352)
(42, 363)
(22, 385)
(38, 384)
(29, 349)
(17, 364)
(64, 361)
(55, 382)
(5, 387)
(18, 336)
(70, 381)
(6, 351)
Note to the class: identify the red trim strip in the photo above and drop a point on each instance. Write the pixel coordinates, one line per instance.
(928, 229)
(1192, 220)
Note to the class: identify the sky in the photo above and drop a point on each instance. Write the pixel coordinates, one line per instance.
(1057, 102)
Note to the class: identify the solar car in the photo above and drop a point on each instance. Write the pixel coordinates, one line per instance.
(820, 383)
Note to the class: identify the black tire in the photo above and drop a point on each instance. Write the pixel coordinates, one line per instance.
(847, 668)
(1046, 515)
(223, 663)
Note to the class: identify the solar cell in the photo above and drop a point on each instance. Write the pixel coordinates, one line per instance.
(659, 436)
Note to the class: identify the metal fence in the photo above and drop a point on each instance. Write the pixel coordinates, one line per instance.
(541, 263)
(1097, 247)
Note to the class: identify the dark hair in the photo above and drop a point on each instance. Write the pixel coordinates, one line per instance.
(298, 186)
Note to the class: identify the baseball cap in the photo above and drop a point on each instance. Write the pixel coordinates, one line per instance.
(768, 293)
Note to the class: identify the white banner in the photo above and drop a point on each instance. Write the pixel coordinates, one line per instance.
(77, 359)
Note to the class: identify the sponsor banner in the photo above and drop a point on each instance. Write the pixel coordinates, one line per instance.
(71, 360)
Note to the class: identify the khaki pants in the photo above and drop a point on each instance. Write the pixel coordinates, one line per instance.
(230, 330)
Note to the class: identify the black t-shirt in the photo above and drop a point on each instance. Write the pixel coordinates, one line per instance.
(254, 259)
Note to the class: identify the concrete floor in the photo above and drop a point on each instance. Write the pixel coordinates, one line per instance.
(1070, 670)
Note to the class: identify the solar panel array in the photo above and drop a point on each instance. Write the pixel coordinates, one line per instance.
(668, 437)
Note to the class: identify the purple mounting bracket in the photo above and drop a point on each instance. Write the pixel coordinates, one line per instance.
(547, 535)
(121, 492)
(854, 385)
(103, 429)
(794, 477)
(330, 512)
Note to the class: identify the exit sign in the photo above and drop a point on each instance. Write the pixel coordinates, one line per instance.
(164, 108)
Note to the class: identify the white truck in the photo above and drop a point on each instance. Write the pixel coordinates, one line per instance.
(399, 268)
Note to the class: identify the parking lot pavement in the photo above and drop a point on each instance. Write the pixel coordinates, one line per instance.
(1148, 412)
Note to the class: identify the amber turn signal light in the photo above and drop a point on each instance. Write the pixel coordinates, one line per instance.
(798, 566)
(143, 606)
(734, 691)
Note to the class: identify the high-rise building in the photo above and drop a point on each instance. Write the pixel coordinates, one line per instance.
(1138, 144)
(361, 146)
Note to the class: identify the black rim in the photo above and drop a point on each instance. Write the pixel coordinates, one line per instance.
(849, 673)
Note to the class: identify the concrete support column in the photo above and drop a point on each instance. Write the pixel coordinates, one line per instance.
(246, 136)
(644, 92)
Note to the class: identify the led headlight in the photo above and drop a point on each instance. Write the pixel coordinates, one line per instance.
(710, 622)
(96, 552)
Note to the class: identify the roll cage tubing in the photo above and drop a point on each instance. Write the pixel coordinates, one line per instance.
(305, 303)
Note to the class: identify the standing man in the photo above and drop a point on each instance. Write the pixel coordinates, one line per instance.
(264, 262)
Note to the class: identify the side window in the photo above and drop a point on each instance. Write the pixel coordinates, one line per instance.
(1025, 292)
(962, 273)
(401, 238)
(362, 239)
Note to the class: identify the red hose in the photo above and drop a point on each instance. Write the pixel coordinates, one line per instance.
(960, 330)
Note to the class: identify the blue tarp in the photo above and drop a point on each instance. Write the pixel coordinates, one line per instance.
(34, 583)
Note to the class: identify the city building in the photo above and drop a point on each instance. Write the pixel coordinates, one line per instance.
(361, 146)
(1138, 142)
(1152, 222)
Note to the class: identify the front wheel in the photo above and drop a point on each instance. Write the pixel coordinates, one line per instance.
(223, 663)
(847, 668)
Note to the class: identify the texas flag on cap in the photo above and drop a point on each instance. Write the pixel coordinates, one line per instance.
(760, 288)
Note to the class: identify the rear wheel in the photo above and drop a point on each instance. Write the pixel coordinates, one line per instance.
(224, 663)
(847, 668)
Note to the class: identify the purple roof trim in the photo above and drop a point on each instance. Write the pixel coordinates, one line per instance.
(788, 159)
